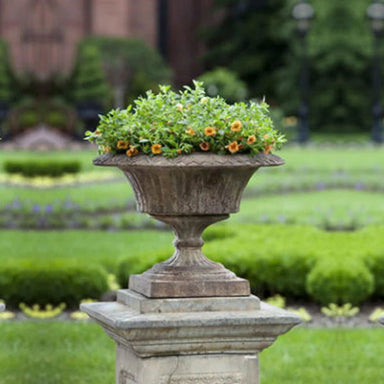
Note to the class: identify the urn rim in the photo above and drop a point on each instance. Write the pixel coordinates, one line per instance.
(204, 160)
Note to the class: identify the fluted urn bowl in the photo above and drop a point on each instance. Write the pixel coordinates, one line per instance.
(189, 193)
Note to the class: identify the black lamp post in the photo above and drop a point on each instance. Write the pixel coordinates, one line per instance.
(375, 13)
(303, 13)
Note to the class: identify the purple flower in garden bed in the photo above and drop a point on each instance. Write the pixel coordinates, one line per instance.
(36, 208)
(320, 186)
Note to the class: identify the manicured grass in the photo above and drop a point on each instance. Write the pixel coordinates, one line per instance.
(66, 353)
(92, 247)
(55, 353)
(314, 208)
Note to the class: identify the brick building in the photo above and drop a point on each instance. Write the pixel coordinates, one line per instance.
(43, 34)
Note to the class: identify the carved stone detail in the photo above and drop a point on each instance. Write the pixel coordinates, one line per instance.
(126, 378)
(222, 378)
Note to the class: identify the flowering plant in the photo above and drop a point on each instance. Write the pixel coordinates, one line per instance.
(173, 124)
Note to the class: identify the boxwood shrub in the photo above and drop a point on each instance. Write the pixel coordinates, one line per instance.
(59, 281)
(43, 167)
(294, 261)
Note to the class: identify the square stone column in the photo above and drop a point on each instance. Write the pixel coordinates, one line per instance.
(189, 340)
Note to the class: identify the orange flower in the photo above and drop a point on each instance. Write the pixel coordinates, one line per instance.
(97, 132)
(268, 149)
(266, 136)
(236, 126)
(190, 131)
(156, 149)
(132, 151)
(122, 144)
(233, 147)
(210, 131)
(179, 151)
(251, 139)
(205, 146)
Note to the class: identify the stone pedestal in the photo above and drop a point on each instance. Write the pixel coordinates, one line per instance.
(189, 340)
(381, 320)
(2, 307)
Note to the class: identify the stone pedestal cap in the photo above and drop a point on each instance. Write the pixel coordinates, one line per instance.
(158, 327)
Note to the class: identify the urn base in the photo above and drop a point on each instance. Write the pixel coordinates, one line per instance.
(230, 287)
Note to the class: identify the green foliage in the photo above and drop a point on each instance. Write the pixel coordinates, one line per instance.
(346, 310)
(297, 262)
(251, 40)
(334, 282)
(130, 63)
(260, 43)
(60, 281)
(180, 123)
(89, 83)
(225, 83)
(5, 74)
(43, 167)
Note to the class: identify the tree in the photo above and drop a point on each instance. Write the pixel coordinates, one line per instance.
(89, 83)
(131, 66)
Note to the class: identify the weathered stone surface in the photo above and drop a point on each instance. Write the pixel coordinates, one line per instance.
(187, 341)
(2, 307)
(201, 331)
(189, 193)
(381, 320)
(198, 369)
(143, 305)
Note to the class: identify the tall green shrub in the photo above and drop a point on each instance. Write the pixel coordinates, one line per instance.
(130, 65)
(89, 83)
(5, 74)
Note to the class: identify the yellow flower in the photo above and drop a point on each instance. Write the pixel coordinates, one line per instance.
(122, 144)
(233, 147)
(204, 100)
(190, 131)
(251, 139)
(106, 148)
(266, 136)
(236, 126)
(210, 131)
(156, 149)
(180, 107)
(205, 146)
(132, 151)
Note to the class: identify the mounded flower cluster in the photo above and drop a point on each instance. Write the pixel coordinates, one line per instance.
(173, 124)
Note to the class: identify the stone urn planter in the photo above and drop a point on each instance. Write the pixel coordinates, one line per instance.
(189, 193)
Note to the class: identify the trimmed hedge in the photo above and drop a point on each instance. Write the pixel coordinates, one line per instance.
(60, 281)
(295, 261)
(42, 167)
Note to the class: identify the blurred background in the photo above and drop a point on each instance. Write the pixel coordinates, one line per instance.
(308, 235)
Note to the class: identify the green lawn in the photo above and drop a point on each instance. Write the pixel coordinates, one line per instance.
(92, 247)
(67, 353)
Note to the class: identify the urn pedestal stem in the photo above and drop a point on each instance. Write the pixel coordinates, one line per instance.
(188, 273)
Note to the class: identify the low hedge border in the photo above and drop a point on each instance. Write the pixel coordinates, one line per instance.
(297, 262)
(42, 167)
(59, 281)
